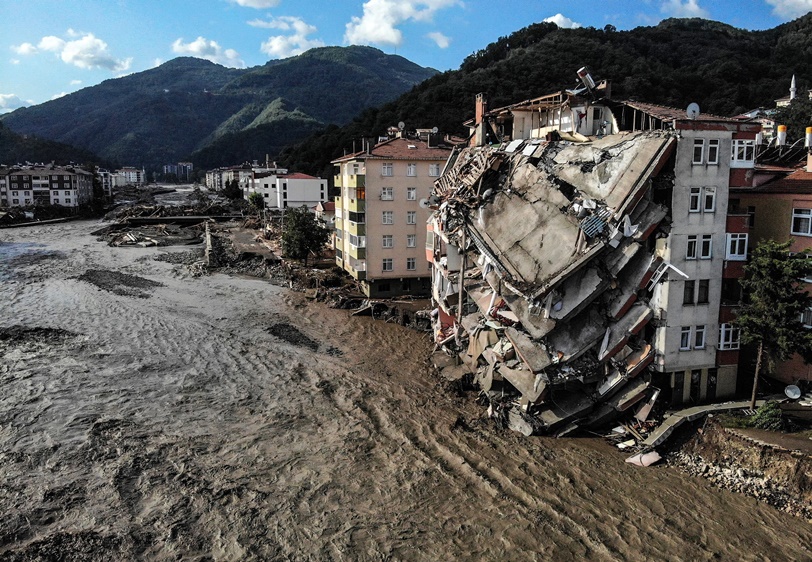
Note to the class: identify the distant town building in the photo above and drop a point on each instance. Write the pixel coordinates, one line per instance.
(129, 176)
(281, 189)
(380, 224)
(182, 170)
(45, 185)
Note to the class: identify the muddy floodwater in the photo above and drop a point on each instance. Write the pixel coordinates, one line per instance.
(146, 414)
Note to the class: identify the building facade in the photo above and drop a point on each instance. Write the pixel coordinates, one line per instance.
(380, 223)
(45, 185)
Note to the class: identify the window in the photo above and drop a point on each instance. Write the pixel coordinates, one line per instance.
(806, 318)
(56, 201)
(388, 241)
(14, 193)
(387, 264)
(699, 337)
(707, 246)
(387, 193)
(67, 192)
(411, 193)
(688, 292)
(434, 170)
(742, 152)
(713, 151)
(411, 217)
(728, 337)
(411, 240)
(388, 217)
(67, 200)
(690, 252)
(751, 217)
(736, 247)
(15, 201)
(358, 241)
(339, 234)
(358, 218)
(704, 291)
(693, 202)
(26, 192)
(709, 202)
(699, 149)
(685, 338)
(802, 222)
(411, 264)
(386, 170)
(411, 170)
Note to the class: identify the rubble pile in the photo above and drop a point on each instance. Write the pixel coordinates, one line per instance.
(545, 255)
(151, 235)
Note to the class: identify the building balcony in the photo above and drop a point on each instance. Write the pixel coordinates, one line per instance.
(356, 228)
(355, 205)
(351, 181)
(357, 253)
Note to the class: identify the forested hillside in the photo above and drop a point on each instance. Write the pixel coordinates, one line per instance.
(726, 70)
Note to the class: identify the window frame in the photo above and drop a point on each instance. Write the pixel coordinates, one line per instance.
(411, 170)
(706, 238)
(411, 217)
(692, 248)
(387, 217)
(805, 216)
(387, 194)
(387, 265)
(411, 240)
(729, 337)
(411, 262)
(411, 194)
(709, 192)
(685, 338)
(698, 156)
(703, 291)
(688, 291)
(742, 151)
(434, 170)
(387, 241)
(737, 239)
(387, 169)
(694, 199)
(700, 330)
(714, 147)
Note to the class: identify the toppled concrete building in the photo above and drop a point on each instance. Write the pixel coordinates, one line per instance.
(563, 258)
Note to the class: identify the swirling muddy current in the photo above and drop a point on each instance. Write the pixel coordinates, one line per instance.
(146, 414)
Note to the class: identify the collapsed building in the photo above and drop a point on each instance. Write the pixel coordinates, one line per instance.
(579, 249)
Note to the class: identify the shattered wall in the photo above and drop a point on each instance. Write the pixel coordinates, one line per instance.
(559, 260)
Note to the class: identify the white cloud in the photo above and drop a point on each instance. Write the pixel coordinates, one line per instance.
(14, 61)
(381, 18)
(59, 95)
(442, 41)
(295, 43)
(157, 62)
(790, 9)
(85, 51)
(24, 49)
(259, 4)
(209, 50)
(563, 21)
(75, 82)
(684, 9)
(10, 102)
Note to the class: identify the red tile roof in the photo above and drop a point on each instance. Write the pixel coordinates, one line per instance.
(669, 113)
(400, 149)
(799, 181)
(297, 176)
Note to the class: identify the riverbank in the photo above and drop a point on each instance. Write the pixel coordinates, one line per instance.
(165, 416)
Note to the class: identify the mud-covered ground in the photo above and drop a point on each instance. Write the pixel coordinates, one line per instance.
(146, 414)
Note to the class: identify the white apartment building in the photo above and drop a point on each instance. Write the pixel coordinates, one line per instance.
(45, 185)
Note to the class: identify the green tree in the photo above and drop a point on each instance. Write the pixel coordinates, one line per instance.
(797, 116)
(256, 200)
(232, 190)
(303, 233)
(774, 303)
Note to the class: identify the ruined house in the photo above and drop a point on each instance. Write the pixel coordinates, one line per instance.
(579, 247)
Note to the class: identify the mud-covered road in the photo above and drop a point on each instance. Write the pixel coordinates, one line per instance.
(149, 415)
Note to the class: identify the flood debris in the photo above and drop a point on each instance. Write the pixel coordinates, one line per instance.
(543, 253)
(120, 283)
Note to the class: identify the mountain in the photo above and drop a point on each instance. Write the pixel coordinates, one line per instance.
(726, 70)
(164, 114)
(16, 148)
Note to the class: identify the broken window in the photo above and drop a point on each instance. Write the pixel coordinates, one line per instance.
(388, 241)
(704, 290)
(690, 252)
(387, 265)
(699, 149)
(802, 222)
(713, 151)
(685, 338)
(699, 337)
(707, 246)
(736, 247)
(728, 337)
(688, 292)
(388, 217)
(411, 264)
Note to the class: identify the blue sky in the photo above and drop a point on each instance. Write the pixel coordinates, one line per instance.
(54, 47)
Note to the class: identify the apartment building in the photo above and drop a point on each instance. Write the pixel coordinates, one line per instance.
(380, 223)
(281, 189)
(45, 185)
(581, 245)
(129, 176)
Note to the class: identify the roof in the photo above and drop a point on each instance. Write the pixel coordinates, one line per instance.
(298, 176)
(671, 113)
(328, 206)
(400, 149)
(799, 181)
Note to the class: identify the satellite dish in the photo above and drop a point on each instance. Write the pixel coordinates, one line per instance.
(435, 130)
(424, 203)
(692, 111)
(792, 392)
(401, 125)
